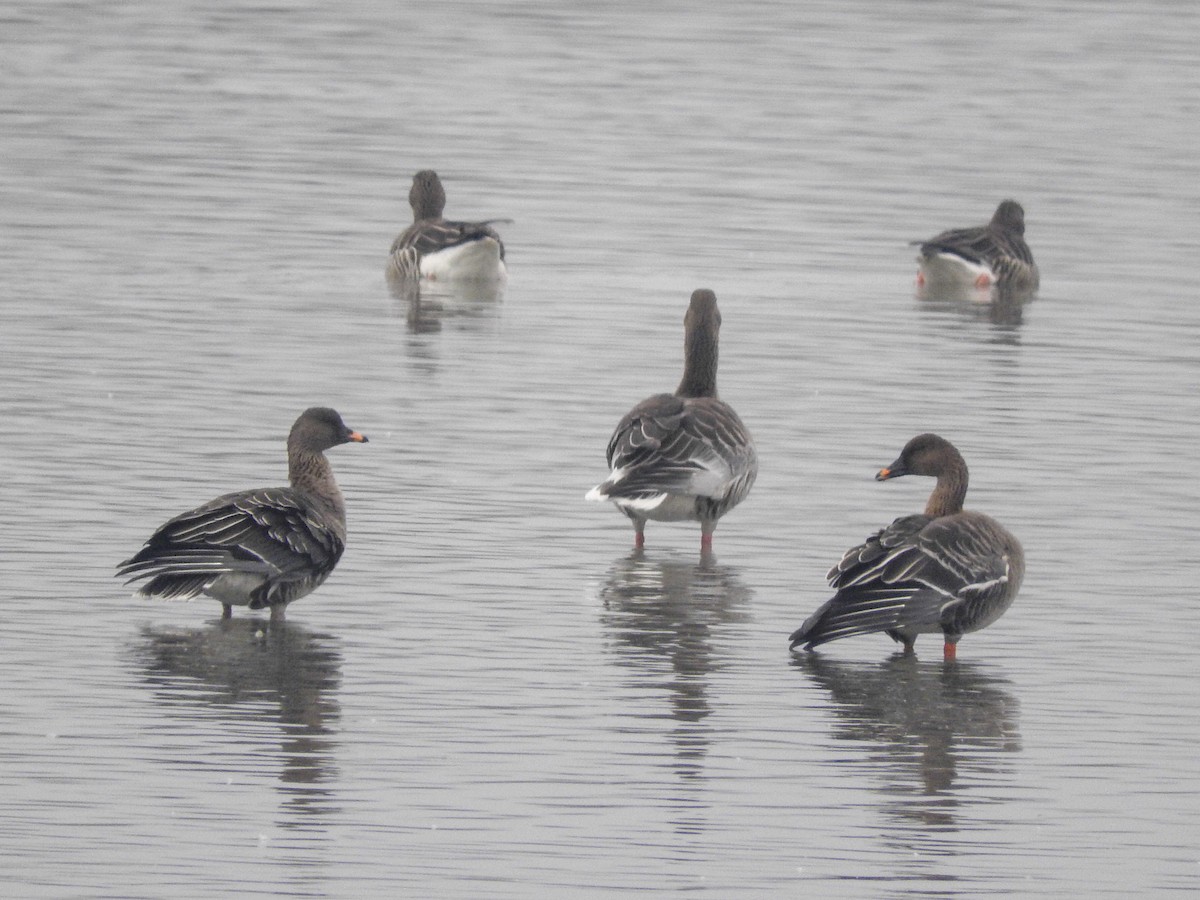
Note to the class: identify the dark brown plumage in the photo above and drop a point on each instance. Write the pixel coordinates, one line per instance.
(947, 570)
(687, 455)
(991, 254)
(436, 248)
(257, 548)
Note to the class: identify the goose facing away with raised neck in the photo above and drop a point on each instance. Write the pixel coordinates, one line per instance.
(948, 570)
(257, 548)
(994, 254)
(439, 249)
(684, 456)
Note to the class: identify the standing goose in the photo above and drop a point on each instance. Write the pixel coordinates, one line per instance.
(948, 570)
(687, 455)
(257, 548)
(436, 248)
(992, 254)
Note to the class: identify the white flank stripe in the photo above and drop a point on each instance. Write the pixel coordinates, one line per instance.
(643, 504)
(986, 585)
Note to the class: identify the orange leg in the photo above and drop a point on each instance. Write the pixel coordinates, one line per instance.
(949, 651)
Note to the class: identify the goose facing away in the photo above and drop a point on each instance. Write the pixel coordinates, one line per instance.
(439, 249)
(257, 548)
(992, 254)
(948, 570)
(684, 456)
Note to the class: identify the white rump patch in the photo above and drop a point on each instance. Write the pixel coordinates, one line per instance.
(473, 261)
(949, 270)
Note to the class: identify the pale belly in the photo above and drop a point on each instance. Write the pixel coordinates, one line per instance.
(234, 588)
(674, 508)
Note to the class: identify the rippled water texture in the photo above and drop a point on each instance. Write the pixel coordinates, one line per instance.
(493, 696)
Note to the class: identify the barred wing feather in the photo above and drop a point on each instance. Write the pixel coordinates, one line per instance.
(274, 533)
(1004, 253)
(918, 574)
(429, 236)
(973, 244)
(668, 444)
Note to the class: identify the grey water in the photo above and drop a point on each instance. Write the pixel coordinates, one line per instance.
(492, 695)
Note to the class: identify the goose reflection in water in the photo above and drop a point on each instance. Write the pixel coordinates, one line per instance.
(247, 671)
(427, 303)
(662, 615)
(1003, 308)
(943, 727)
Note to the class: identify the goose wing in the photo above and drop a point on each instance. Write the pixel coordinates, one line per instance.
(975, 245)
(986, 245)
(974, 565)
(431, 235)
(276, 534)
(672, 445)
(917, 574)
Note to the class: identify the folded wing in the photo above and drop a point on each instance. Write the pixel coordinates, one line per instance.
(432, 235)
(275, 535)
(918, 574)
(684, 446)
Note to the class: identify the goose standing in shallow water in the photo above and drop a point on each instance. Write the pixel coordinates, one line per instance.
(992, 254)
(684, 456)
(947, 570)
(439, 249)
(257, 548)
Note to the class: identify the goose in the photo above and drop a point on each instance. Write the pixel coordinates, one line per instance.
(258, 548)
(947, 570)
(992, 254)
(435, 248)
(684, 456)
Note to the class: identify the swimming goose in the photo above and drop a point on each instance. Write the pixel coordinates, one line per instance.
(992, 254)
(435, 248)
(687, 455)
(257, 548)
(947, 570)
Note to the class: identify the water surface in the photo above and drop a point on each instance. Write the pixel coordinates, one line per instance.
(493, 695)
